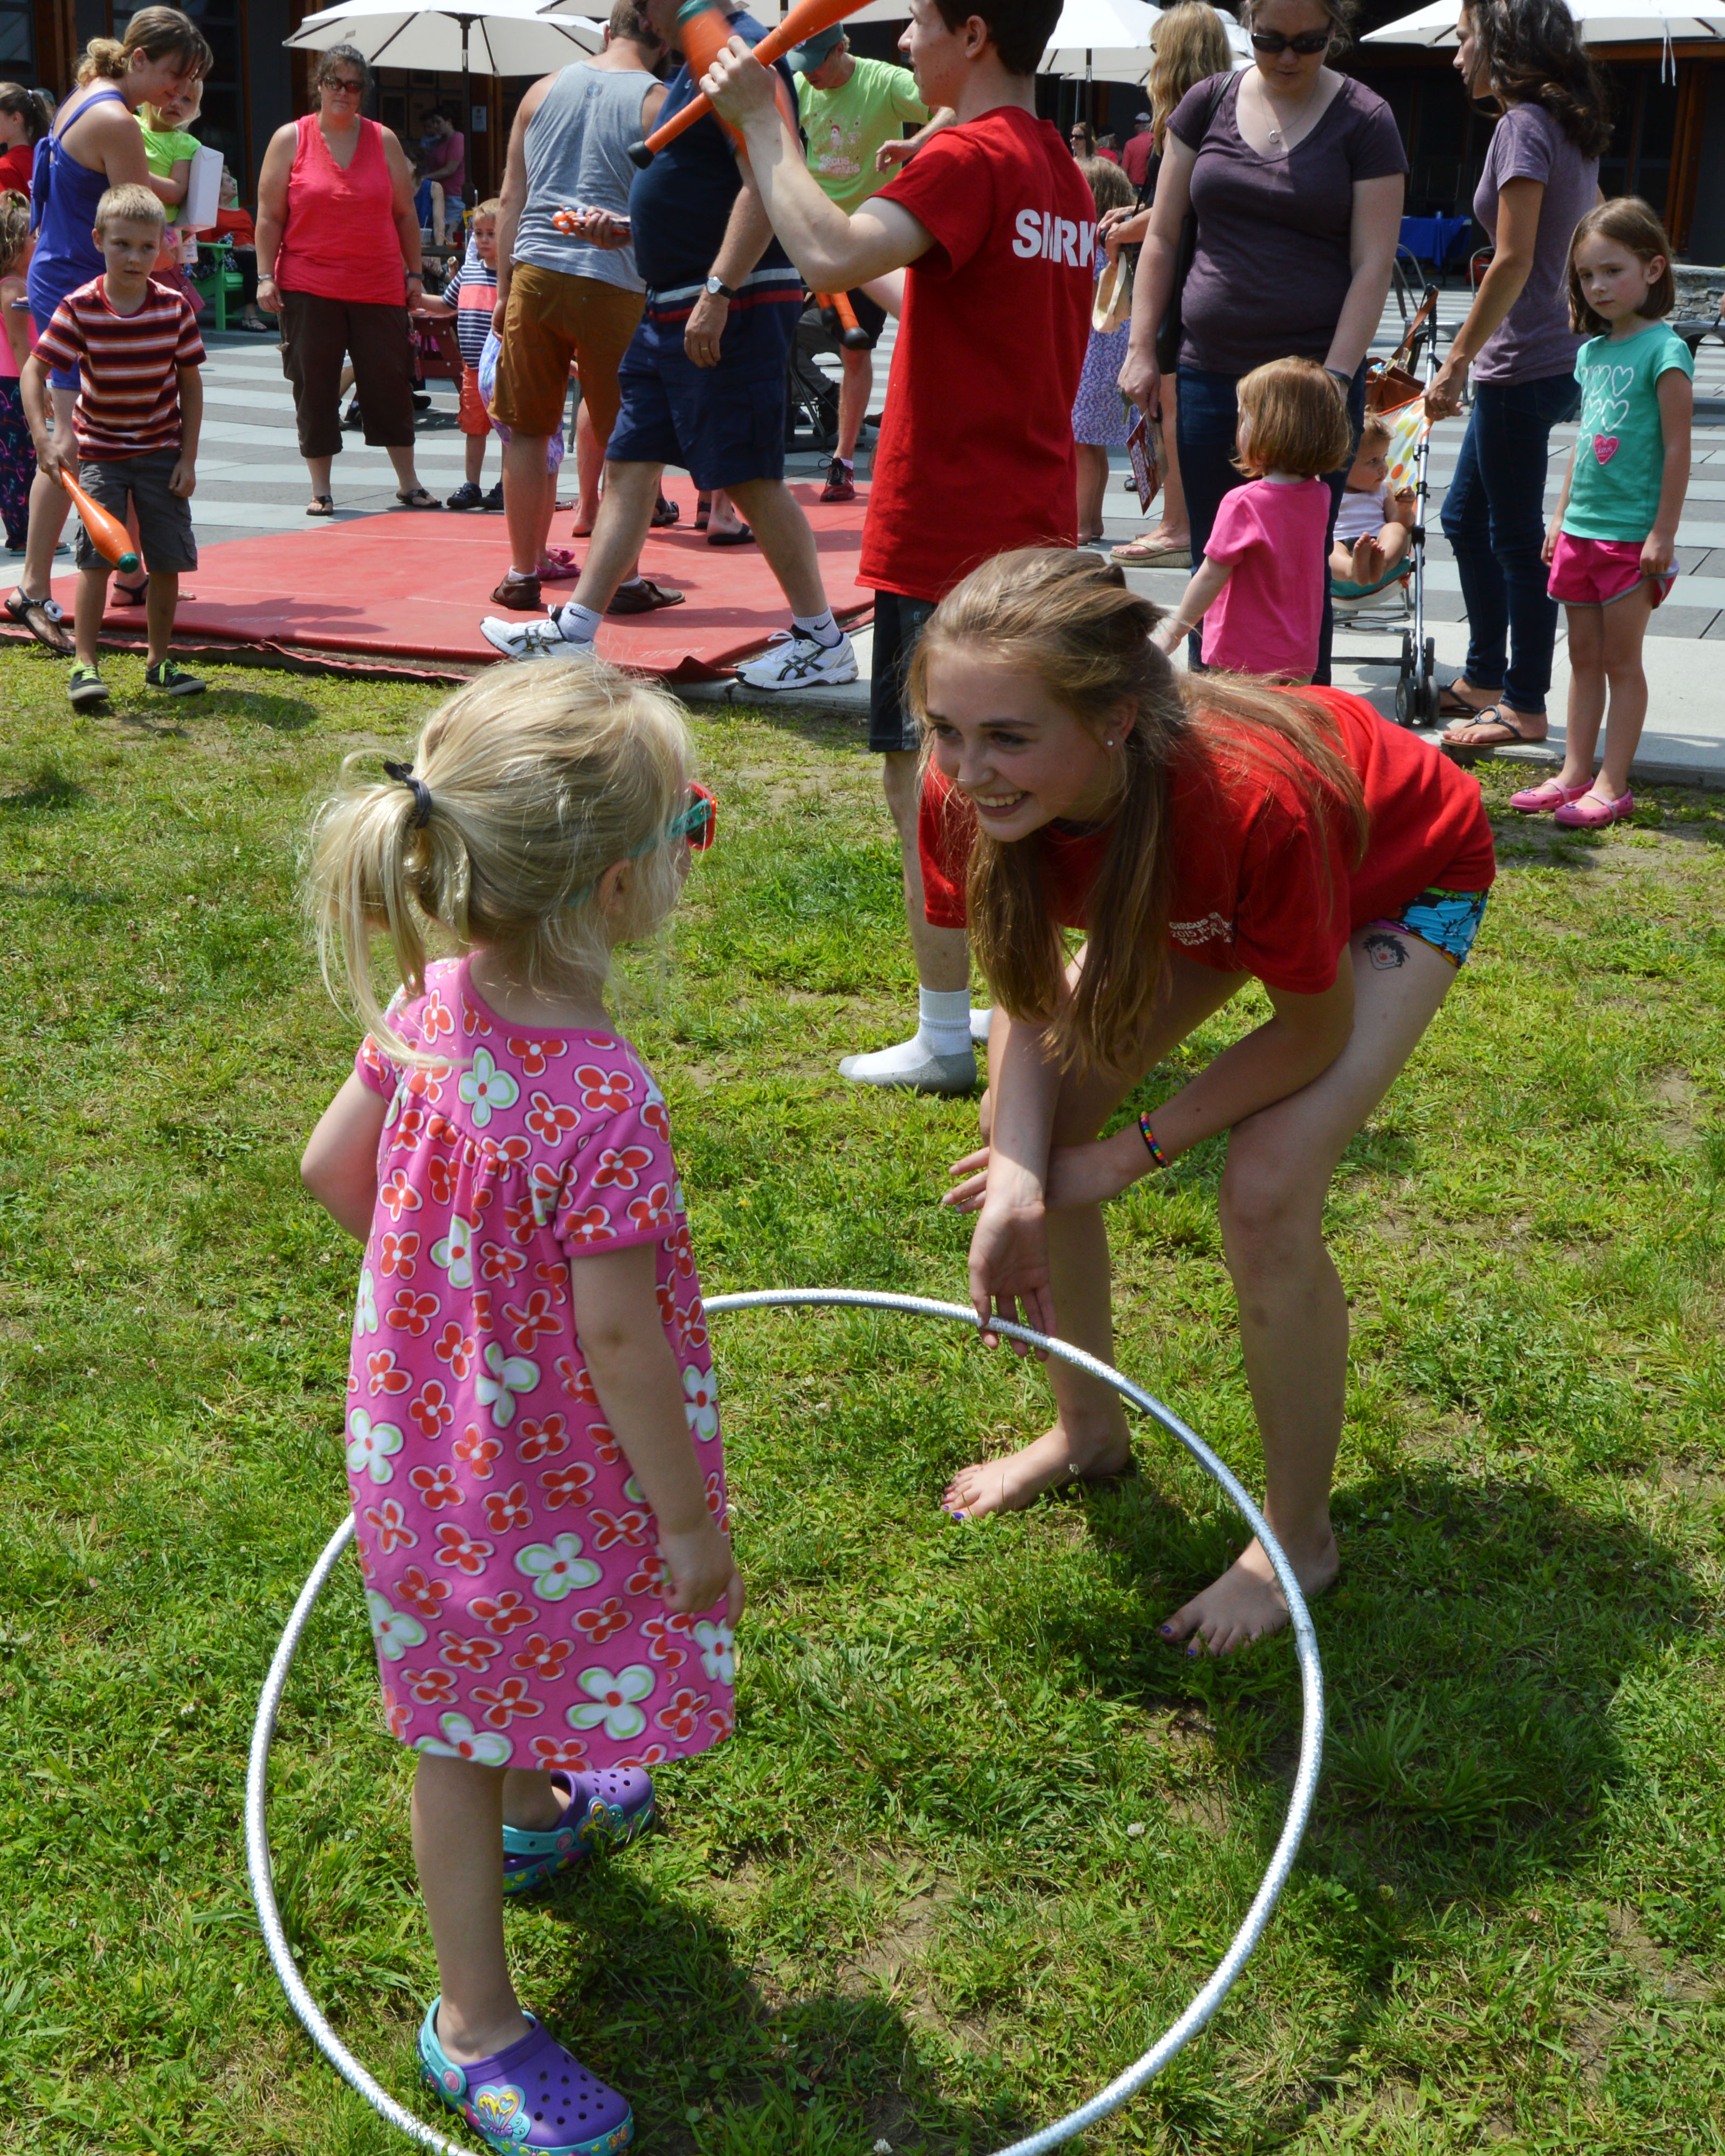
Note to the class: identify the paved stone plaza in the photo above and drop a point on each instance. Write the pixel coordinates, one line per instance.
(251, 481)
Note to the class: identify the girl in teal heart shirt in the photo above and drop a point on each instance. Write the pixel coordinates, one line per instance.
(1612, 543)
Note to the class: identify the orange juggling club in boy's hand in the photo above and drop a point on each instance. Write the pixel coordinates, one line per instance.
(705, 31)
(107, 534)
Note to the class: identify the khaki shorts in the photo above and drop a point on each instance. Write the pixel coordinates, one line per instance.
(552, 320)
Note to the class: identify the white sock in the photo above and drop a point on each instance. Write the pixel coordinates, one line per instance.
(580, 624)
(980, 1021)
(943, 1029)
(821, 627)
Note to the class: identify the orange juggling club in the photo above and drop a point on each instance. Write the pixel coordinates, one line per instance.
(107, 534)
(705, 31)
(851, 332)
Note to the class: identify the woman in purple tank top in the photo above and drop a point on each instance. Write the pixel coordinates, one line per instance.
(1541, 179)
(95, 144)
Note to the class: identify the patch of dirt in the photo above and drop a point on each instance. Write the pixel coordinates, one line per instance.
(1196, 1806)
(1669, 1974)
(892, 1961)
(1682, 1105)
(1692, 1481)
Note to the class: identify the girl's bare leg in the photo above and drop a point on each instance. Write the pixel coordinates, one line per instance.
(1092, 487)
(1586, 625)
(1089, 1433)
(50, 507)
(1625, 626)
(1293, 1313)
(459, 1811)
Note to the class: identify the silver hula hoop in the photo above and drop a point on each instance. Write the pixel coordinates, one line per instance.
(1124, 2086)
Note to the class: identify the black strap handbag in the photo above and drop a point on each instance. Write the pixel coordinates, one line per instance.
(1169, 331)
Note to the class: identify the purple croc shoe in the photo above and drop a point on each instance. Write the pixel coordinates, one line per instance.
(535, 2098)
(606, 1808)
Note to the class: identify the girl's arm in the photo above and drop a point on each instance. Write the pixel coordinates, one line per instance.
(1009, 1248)
(1556, 525)
(1676, 411)
(173, 188)
(1375, 228)
(1297, 1045)
(339, 1164)
(1518, 206)
(641, 1388)
(1200, 596)
(16, 319)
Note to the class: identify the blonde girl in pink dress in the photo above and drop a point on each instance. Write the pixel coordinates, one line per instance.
(532, 1443)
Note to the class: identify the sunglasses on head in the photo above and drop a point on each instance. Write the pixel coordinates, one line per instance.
(1307, 43)
(698, 821)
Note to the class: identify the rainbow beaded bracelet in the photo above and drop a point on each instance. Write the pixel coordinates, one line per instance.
(1158, 1157)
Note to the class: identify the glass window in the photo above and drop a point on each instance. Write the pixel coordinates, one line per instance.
(17, 37)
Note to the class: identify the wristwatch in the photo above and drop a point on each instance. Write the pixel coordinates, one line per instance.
(715, 290)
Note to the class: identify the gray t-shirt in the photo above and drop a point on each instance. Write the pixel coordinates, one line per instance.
(1272, 266)
(1534, 339)
(577, 153)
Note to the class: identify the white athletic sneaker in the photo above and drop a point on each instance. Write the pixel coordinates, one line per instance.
(532, 639)
(791, 661)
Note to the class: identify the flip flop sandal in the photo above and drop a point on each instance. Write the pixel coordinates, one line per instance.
(743, 536)
(43, 619)
(1492, 716)
(420, 498)
(558, 565)
(703, 511)
(131, 595)
(321, 504)
(1450, 705)
(607, 1809)
(665, 513)
(641, 595)
(534, 2099)
(1140, 554)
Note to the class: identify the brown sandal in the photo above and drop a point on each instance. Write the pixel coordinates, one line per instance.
(43, 619)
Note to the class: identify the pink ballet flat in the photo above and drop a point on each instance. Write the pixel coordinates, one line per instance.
(1534, 800)
(1590, 813)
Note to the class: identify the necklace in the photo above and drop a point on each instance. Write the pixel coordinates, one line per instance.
(1265, 99)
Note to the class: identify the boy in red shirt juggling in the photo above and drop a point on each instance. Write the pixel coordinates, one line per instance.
(995, 227)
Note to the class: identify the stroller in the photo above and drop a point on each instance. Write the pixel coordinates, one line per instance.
(1396, 394)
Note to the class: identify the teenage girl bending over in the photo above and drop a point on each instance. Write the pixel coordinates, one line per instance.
(531, 1439)
(1612, 542)
(1259, 588)
(1204, 833)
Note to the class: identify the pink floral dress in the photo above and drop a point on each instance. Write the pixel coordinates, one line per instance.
(511, 1559)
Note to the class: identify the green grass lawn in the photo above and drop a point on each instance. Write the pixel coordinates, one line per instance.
(980, 1834)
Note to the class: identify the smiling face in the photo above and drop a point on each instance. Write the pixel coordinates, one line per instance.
(1288, 73)
(154, 82)
(1613, 278)
(939, 57)
(1021, 759)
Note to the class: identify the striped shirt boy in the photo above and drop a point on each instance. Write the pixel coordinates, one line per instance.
(129, 402)
(472, 292)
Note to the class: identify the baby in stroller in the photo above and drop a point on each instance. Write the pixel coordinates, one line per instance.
(1372, 525)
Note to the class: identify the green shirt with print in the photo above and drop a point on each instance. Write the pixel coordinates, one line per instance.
(846, 127)
(1619, 459)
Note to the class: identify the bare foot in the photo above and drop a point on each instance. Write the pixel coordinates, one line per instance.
(1246, 1603)
(1013, 1484)
(1367, 561)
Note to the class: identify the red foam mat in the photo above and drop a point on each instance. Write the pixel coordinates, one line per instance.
(414, 584)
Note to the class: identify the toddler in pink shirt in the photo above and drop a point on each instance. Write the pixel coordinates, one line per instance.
(1260, 589)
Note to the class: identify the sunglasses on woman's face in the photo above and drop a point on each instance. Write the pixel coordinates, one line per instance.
(348, 87)
(1272, 42)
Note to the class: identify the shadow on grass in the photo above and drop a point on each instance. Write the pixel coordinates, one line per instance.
(48, 787)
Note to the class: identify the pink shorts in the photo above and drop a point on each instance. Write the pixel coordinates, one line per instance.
(1595, 571)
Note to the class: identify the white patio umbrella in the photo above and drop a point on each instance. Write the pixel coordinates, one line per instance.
(1129, 64)
(1600, 22)
(505, 37)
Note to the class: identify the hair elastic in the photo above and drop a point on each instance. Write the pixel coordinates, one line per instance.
(422, 792)
(1158, 1157)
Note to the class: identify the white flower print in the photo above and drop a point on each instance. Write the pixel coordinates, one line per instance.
(503, 1377)
(454, 1252)
(718, 1658)
(394, 1630)
(612, 1700)
(486, 1748)
(702, 1405)
(365, 1310)
(369, 1445)
(556, 1566)
(485, 1088)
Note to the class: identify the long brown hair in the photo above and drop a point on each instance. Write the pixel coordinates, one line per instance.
(1533, 54)
(1190, 47)
(1068, 618)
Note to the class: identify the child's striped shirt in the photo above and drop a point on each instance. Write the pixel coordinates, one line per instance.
(129, 402)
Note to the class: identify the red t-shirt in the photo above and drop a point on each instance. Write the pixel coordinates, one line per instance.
(976, 452)
(1258, 887)
(16, 166)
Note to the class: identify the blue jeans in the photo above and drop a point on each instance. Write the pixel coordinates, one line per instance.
(1494, 519)
(1206, 420)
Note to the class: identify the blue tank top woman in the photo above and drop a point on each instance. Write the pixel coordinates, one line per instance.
(63, 195)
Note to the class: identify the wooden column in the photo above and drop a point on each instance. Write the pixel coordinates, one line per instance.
(1686, 151)
(56, 44)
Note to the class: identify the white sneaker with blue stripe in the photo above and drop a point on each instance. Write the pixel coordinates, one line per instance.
(791, 661)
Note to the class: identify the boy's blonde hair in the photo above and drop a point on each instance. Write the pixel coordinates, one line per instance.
(133, 199)
(526, 787)
(1296, 419)
(491, 207)
(1632, 223)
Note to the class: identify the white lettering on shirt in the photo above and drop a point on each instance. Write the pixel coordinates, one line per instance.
(1212, 929)
(1040, 233)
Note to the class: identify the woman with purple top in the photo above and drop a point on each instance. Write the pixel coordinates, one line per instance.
(1542, 177)
(1295, 174)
